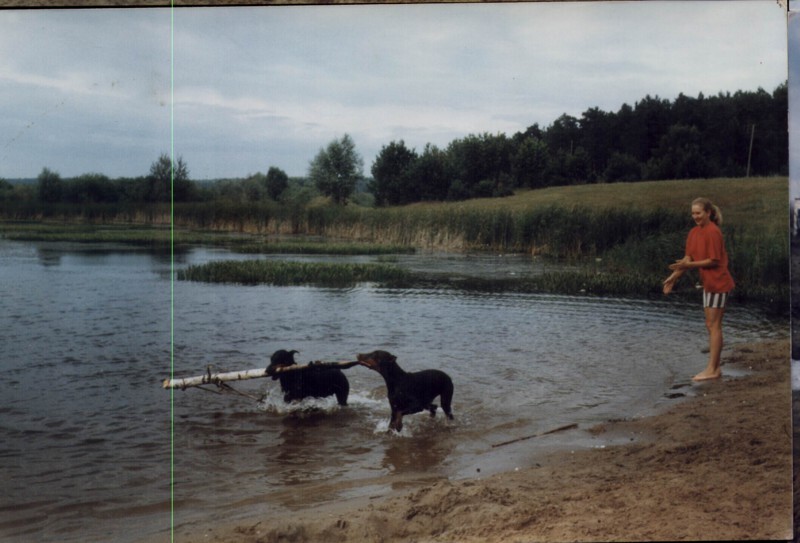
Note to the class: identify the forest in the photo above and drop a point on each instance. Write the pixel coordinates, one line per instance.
(727, 135)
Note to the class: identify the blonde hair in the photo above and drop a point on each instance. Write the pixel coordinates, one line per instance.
(715, 214)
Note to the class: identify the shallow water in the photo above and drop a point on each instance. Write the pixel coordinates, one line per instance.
(87, 427)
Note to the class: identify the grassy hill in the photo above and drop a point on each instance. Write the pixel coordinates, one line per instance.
(758, 202)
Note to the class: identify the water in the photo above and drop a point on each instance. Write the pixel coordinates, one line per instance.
(85, 335)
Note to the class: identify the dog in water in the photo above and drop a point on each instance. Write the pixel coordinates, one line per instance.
(409, 392)
(311, 382)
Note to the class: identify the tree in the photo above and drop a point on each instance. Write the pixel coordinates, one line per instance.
(530, 163)
(622, 167)
(336, 169)
(90, 187)
(50, 186)
(480, 158)
(254, 188)
(276, 182)
(679, 155)
(563, 135)
(165, 179)
(6, 190)
(392, 181)
(597, 137)
(433, 173)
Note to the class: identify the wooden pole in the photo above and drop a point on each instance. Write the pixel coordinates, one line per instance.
(217, 378)
(750, 152)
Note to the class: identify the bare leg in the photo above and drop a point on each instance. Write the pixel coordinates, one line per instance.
(714, 326)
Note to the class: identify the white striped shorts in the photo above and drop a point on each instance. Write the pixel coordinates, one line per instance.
(714, 299)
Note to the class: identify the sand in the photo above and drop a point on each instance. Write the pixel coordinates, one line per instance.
(715, 466)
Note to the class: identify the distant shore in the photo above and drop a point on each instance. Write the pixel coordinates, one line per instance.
(716, 466)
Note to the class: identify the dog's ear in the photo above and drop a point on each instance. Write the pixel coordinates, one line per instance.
(277, 355)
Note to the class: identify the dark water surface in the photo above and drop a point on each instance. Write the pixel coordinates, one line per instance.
(85, 335)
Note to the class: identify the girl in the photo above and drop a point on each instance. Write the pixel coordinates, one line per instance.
(705, 251)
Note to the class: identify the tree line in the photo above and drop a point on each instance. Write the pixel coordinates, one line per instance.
(719, 136)
(167, 181)
(727, 135)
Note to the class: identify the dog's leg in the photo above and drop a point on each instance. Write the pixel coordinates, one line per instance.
(345, 391)
(341, 395)
(396, 423)
(432, 408)
(447, 398)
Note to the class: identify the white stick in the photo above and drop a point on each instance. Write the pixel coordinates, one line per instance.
(215, 378)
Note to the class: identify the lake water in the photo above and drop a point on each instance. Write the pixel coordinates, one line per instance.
(85, 333)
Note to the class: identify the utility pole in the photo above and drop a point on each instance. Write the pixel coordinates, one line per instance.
(750, 152)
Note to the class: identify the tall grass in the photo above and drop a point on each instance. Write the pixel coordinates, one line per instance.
(553, 230)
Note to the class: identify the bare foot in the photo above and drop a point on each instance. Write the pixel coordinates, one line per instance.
(705, 375)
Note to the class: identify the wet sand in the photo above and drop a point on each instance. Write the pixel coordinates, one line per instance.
(716, 466)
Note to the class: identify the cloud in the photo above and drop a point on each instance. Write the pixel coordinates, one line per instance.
(262, 86)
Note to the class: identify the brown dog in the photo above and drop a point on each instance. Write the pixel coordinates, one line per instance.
(409, 393)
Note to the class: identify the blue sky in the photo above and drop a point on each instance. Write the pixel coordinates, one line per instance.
(248, 88)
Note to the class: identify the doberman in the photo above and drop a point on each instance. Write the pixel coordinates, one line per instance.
(312, 382)
(409, 392)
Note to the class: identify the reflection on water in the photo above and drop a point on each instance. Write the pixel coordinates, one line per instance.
(87, 427)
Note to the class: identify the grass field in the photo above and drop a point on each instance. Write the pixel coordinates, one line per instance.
(758, 201)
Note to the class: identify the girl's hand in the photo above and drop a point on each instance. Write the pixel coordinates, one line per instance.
(668, 284)
(682, 264)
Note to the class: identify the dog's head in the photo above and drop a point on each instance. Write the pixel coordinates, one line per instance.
(280, 359)
(379, 361)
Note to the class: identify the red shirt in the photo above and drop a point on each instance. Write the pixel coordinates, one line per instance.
(706, 242)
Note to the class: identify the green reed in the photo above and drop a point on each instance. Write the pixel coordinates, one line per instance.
(555, 230)
(321, 248)
(284, 273)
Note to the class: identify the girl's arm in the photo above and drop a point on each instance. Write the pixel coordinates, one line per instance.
(687, 263)
(678, 269)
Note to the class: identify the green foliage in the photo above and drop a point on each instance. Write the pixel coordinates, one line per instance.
(336, 169)
(530, 164)
(393, 182)
(168, 180)
(6, 190)
(276, 182)
(432, 174)
(622, 167)
(679, 155)
(477, 159)
(50, 186)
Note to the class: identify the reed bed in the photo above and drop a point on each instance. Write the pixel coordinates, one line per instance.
(554, 230)
(164, 237)
(302, 247)
(256, 272)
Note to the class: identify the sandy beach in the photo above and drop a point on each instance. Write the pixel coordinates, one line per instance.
(715, 466)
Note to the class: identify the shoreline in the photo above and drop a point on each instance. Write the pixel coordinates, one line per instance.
(716, 465)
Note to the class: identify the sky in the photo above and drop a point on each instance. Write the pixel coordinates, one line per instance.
(234, 91)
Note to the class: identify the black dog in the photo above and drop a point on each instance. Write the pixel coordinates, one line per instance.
(311, 382)
(409, 393)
